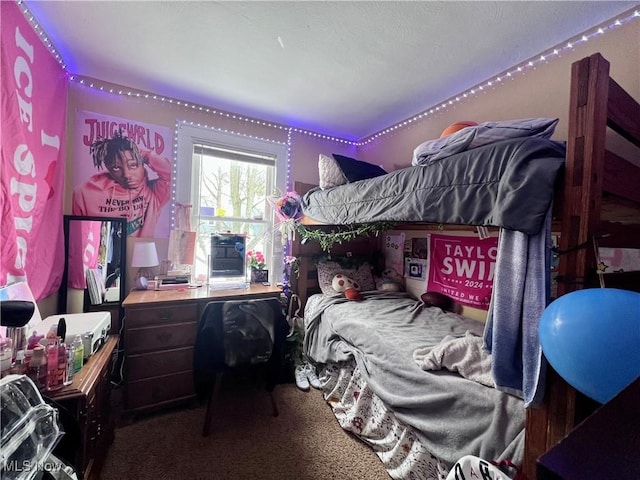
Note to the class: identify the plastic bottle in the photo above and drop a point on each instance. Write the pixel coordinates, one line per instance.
(78, 346)
(70, 365)
(37, 370)
(6, 354)
(19, 367)
(53, 371)
(34, 340)
(62, 363)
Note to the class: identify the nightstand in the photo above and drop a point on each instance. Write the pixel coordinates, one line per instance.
(88, 400)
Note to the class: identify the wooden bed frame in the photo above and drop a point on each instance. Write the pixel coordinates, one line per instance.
(600, 202)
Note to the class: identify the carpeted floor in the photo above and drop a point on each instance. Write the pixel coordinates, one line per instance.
(246, 442)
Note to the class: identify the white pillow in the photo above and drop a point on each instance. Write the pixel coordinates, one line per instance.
(330, 173)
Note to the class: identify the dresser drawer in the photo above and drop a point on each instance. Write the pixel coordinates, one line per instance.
(187, 312)
(149, 339)
(158, 390)
(159, 363)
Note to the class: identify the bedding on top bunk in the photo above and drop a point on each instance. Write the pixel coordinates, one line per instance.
(505, 184)
(452, 416)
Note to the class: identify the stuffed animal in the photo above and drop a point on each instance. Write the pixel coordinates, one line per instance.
(343, 284)
(390, 281)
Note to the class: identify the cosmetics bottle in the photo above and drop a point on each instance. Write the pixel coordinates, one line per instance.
(19, 367)
(37, 370)
(70, 366)
(61, 334)
(53, 367)
(78, 353)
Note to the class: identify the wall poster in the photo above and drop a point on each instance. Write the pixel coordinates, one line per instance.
(394, 252)
(463, 268)
(33, 122)
(122, 169)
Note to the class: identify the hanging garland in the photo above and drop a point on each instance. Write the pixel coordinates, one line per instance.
(288, 211)
(341, 234)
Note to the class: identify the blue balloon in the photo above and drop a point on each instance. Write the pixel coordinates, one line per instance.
(592, 339)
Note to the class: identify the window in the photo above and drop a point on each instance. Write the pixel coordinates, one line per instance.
(227, 179)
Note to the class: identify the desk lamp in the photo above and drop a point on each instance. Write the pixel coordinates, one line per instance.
(144, 258)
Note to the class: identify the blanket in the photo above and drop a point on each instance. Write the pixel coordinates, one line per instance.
(464, 355)
(520, 295)
(451, 415)
(507, 184)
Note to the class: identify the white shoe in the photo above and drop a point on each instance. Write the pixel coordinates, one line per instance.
(300, 375)
(310, 370)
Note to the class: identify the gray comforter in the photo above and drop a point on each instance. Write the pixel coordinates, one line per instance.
(505, 184)
(452, 416)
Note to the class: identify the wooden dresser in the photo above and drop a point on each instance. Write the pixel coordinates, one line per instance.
(88, 399)
(159, 336)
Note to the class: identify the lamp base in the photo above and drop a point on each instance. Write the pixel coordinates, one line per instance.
(142, 283)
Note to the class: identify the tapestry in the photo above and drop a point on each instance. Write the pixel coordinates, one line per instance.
(33, 118)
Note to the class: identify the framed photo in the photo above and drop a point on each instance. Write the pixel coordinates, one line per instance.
(259, 276)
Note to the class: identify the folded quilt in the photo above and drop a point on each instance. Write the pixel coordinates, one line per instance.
(464, 355)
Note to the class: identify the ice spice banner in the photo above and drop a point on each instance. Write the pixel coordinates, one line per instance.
(462, 268)
(121, 169)
(33, 118)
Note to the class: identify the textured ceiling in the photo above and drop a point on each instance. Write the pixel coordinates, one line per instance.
(344, 68)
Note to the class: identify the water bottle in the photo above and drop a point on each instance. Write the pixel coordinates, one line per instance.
(78, 356)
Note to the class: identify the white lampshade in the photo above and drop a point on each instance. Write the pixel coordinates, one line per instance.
(144, 255)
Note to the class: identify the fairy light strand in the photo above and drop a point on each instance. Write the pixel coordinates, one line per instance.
(518, 70)
(476, 90)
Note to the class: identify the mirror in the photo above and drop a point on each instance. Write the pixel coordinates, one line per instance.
(95, 256)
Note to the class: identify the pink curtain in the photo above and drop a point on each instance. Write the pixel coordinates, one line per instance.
(34, 103)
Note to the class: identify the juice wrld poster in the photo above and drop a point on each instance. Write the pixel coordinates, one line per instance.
(463, 268)
(121, 168)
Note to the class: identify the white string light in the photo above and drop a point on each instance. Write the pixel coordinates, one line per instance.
(181, 123)
(511, 73)
(476, 90)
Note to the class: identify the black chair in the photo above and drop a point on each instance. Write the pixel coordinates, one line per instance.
(238, 335)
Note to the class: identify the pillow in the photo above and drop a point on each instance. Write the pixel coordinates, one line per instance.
(340, 170)
(482, 134)
(360, 274)
(330, 173)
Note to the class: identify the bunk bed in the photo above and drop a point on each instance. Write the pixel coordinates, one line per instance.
(596, 193)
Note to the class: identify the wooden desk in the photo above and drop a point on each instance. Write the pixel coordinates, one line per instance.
(88, 400)
(159, 335)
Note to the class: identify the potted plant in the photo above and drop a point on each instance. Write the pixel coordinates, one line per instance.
(257, 264)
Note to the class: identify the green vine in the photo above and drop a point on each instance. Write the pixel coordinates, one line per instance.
(341, 234)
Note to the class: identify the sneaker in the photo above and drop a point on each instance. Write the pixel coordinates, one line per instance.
(310, 370)
(300, 375)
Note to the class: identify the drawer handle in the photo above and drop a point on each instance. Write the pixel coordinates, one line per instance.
(165, 316)
(164, 336)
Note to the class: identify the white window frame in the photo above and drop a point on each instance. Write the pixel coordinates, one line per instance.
(186, 193)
